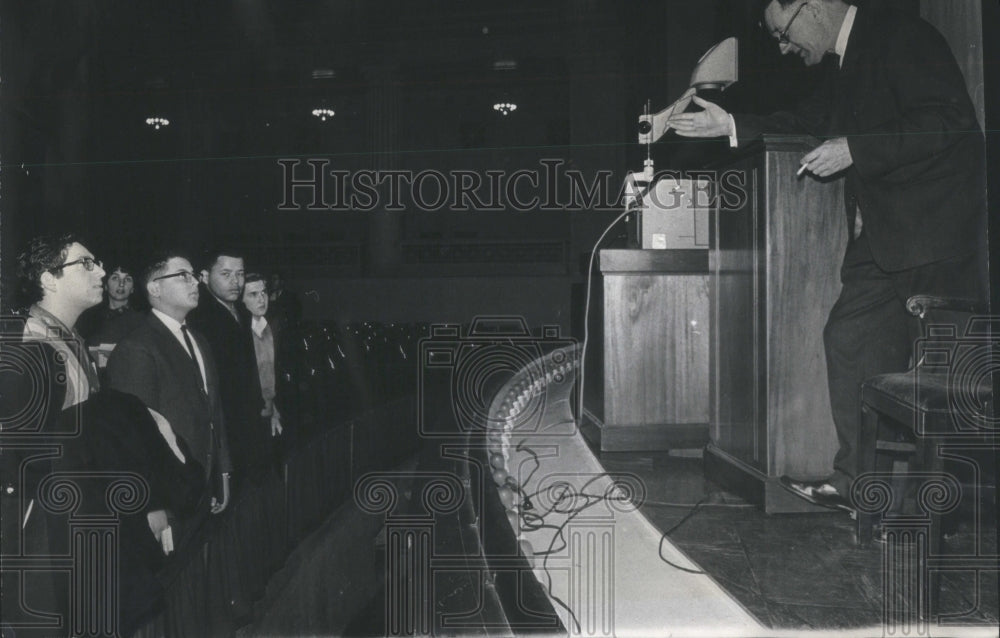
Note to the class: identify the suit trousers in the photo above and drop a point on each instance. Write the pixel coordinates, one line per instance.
(869, 332)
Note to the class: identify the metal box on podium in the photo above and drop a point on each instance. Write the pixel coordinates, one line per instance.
(675, 215)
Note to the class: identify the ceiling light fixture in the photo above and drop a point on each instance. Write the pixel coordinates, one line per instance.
(505, 65)
(323, 74)
(157, 122)
(505, 108)
(322, 114)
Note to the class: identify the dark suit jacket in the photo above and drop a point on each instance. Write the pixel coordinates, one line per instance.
(232, 347)
(114, 433)
(285, 368)
(919, 167)
(151, 364)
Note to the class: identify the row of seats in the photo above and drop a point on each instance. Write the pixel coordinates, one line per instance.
(348, 368)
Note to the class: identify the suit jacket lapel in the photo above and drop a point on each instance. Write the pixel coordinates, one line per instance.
(178, 358)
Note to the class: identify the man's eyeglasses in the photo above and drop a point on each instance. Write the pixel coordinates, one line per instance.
(783, 36)
(186, 275)
(88, 263)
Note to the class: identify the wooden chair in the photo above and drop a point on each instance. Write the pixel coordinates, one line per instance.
(922, 431)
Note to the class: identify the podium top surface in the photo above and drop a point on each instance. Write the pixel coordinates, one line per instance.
(769, 143)
(680, 261)
(775, 142)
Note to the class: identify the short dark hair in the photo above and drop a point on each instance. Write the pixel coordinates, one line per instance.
(210, 256)
(252, 277)
(115, 266)
(44, 253)
(157, 262)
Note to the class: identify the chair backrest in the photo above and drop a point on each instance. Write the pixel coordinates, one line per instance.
(959, 339)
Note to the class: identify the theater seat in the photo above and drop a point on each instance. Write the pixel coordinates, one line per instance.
(928, 450)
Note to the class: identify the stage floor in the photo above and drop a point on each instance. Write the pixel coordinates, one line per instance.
(796, 571)
(789, 573)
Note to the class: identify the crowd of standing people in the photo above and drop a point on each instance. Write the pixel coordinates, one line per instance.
(187, 391)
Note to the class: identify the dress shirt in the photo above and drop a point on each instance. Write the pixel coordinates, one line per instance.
(263, 345)
(845, 33)
(174, 327)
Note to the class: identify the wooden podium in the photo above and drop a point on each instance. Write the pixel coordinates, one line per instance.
(647, 376)
(775, 274)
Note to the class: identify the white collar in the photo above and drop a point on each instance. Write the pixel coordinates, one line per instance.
(258, 324)
(845, 33)
(168, 321)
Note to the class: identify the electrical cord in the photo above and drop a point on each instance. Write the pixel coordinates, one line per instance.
(674, 528)
(586, 312)
(738, 506)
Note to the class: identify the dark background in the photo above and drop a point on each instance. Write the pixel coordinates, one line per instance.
(413, 85)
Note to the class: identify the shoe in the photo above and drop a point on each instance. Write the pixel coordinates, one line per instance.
(818, 493)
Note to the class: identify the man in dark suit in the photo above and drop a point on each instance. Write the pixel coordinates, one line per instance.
(226, 325)
(900, 127)
(52, 385)
(171, 369)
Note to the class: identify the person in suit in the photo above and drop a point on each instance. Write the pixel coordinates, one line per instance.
(170, 368)
(225, 323)
(59, 278)
(97, 430)
(900, 128)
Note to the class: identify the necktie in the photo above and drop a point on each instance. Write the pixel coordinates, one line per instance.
(190, 348)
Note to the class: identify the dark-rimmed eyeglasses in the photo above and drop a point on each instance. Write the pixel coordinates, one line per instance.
(88, 264)
(783, 36)
(186, 275)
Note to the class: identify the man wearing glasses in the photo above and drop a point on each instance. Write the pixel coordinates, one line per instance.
(170, 368)
(900, 128)
(50, 389)
(61, 279)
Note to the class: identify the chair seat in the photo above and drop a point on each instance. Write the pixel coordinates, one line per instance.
(896, 395)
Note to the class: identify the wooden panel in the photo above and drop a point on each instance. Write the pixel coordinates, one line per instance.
(593, 378)
(738, 426)
(775, 277)
(753, 485)
(806, 239)
(656, 349)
